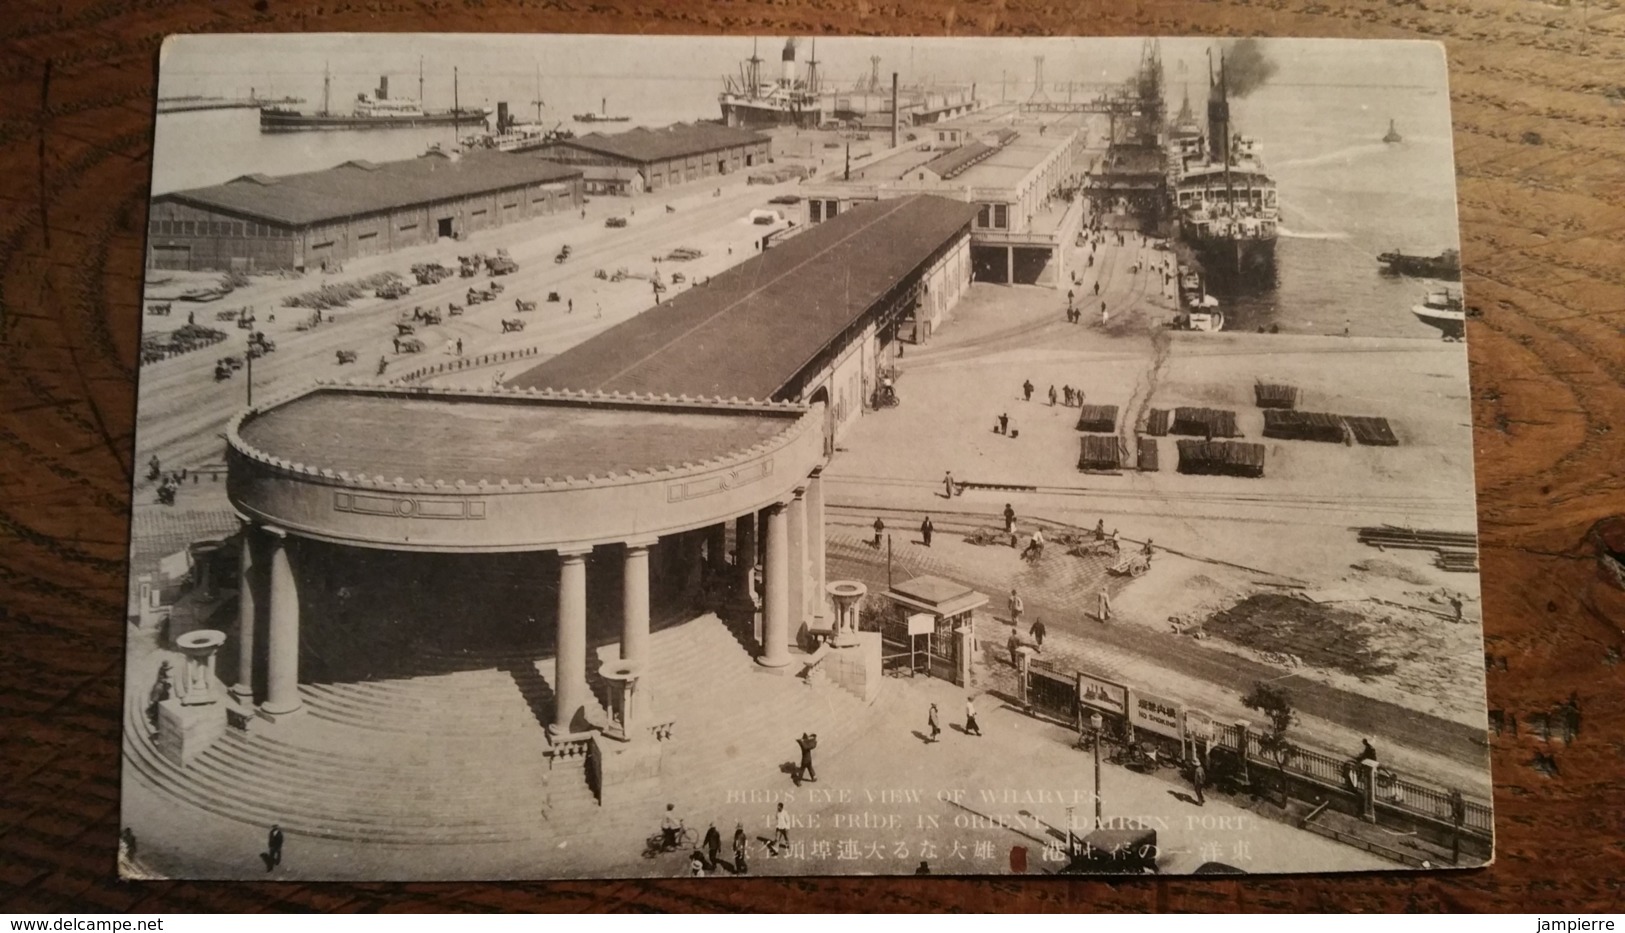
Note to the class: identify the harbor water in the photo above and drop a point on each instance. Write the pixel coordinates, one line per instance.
(1345, 197)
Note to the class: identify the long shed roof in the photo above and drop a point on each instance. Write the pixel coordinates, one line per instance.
(676, 141)
(358, 187)
(752, 329)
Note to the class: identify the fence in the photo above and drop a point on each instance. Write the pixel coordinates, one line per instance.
(1055, 693)
(464, 362)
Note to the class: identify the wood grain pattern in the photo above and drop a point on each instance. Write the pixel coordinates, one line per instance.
(1539, 98)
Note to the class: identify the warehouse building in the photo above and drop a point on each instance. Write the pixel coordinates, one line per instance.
(672, 155)
(313, 219)
(1020, 170)
(813, 319)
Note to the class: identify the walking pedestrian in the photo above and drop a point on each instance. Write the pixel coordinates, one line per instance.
(1027, 390)
(1104, 317)
(948, 485)
(1116, 545)
(1455, 606)
(1052, 395)
(273, 847)
(971, 728)
(926, 528)
(459, 346)
(1004, 424)
(741, 844)
(781, 830)
(1097, 289)
(880, 529)
(713, 846)
(1016, 608)
(1103, 609)
(932, 723)
(1198, 781)
(1009, 519)
(570, 306)
(1014, 644)
(1100, 530)
(808, 742)
(1037, 632)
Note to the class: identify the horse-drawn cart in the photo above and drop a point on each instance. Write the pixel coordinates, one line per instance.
(1130, 565)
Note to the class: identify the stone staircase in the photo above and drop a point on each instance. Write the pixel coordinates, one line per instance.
(462, 758)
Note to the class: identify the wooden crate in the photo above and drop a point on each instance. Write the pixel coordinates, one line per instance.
(1100, 452)
(1156, 423)
(1371, 431)
(1303, 426)
(1268, 395)
(1204, 422)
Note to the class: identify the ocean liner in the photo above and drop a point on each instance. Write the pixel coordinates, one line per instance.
(752, 100)
(1228, 214)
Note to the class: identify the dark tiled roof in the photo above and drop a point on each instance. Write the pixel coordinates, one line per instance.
(751, 330)
(670, 142)
(358, 188)
(958, 160)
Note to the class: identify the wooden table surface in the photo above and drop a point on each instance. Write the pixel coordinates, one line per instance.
(1538, 90)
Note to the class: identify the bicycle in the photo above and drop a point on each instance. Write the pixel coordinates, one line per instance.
(684, 839)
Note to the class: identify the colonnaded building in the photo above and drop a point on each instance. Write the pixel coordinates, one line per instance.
(644, 509)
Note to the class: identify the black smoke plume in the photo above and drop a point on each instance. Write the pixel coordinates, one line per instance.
(1246, 67)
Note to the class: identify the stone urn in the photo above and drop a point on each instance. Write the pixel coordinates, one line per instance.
(846, 595)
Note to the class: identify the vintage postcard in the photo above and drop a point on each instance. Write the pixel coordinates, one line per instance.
(608, 456)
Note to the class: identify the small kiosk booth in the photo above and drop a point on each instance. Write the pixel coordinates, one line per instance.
(935, 632)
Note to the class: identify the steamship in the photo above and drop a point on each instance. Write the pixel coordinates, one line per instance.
(376, 111)
(1228, 213)
(750, 99)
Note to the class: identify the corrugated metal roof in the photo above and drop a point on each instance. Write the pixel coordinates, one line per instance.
(358, 187)
(671, 142)
(752, 329)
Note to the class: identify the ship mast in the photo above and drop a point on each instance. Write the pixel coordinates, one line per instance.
(812, 69)
(327, 89)
(538, 101)
(456, 111)
(420, 80)
(755, 73)
(1229, 191)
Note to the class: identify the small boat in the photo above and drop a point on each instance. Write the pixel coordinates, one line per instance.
(1392, 135)
(1446, 265)
(602, 116)
(1443, 309)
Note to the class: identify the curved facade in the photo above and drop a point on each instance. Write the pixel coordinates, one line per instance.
(560, 473)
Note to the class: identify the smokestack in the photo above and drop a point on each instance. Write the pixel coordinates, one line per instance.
(1218, 120)
(894, 114)
(383, 87)
(788, 76)
(503, 120)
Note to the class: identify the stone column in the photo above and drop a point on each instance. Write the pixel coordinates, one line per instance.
(745, 544)
(815, 544)
(570, 661)
(775, 586)
(248, 583)
(1009, 265)
(635, 601)
(797, 533)
(282, 630)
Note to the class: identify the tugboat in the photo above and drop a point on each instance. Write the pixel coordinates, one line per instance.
(1227, 203)
(1446, 265)
(1443, 309)
(602, 116)
(1392, 136)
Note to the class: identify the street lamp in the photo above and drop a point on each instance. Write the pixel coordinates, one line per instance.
(1097, 725)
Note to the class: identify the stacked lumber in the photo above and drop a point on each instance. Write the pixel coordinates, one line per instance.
(1275, 396)
(1204, 422)
(1303, 425)
(1100, 418)
(1372, 432)
(1100, 452)
(1221, 458)
(1147, 459)
(1457, 561)
(1423, 539)
(1156, 423)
